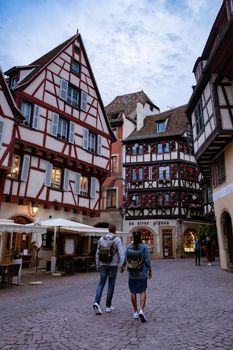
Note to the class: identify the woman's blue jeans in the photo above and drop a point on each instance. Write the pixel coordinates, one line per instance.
(106, 272)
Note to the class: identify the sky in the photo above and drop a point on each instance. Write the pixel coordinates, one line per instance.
(132, 45)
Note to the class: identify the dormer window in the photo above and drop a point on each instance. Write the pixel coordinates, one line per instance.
(13, 82)
(161, 126)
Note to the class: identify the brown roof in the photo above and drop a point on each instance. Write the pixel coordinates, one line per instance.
(127, 103)
(41, 62)
(176, 124)
(16, 112)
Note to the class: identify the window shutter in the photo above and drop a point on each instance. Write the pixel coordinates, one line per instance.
(93, 187)
(36, 116)
(83, 101)
(54, 124)
(71, 132)
(63, 89)
(77, 183)
(66, 180)
(1, 132)
(85, 138)
(25, 167)
(48, 175)
(99, 145)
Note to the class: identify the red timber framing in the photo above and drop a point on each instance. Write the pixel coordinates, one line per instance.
(64, 144)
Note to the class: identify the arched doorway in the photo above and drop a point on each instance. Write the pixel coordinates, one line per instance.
(147, 238)
(227, 230)
(189, 241)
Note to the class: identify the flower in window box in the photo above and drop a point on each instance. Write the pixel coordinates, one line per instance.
(16, 254)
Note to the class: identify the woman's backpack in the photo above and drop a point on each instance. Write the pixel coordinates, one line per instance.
(134, 258)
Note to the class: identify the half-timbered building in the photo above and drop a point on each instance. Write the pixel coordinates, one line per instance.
(125, 114)
(164, 199)
(210, 111)
(58, 154)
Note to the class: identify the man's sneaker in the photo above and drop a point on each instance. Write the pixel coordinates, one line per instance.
(136, 315)
(142, 316)
(97, 309)
(110, 309)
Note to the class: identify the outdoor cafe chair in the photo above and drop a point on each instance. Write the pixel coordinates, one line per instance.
(12, 271)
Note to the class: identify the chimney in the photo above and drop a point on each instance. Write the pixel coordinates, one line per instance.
(140, 116)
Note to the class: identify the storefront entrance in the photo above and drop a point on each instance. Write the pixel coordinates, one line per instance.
(167, 244)
(147, 238)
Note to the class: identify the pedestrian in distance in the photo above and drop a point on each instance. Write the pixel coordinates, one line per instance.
(209, 250)
(138, 264)
(197, 251)
(109, 255)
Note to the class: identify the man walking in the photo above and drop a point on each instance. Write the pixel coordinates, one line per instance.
(108, 256)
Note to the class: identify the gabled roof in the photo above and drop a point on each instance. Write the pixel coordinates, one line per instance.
(127, 103)
(41, 63)
(176, 125)
(16, 112)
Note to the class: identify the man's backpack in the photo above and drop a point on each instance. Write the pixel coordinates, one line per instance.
(134, 258)
(106, 249)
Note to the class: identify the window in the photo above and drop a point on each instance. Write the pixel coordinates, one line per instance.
(13, 82)
(92, 142)
(137, 174)
(15, 169)
(111, 198)
(69, 93)
(163, 147)
(72, 96)
(75, 67)
(164, 172)
(199, 119)
(47, 240)
(31, 114)
(137, 149)
(218, 171)
(83, 185)
(114, 165)
(164, 199)
(56, 177)
(135, 200)
(62, 128)
(160, 126)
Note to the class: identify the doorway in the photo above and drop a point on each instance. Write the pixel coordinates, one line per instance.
(227, 230)
(167, 244)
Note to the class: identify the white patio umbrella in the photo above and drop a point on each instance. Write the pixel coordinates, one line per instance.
(62, 223)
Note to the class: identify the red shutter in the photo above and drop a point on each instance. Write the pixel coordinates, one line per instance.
(154, 172)
(128, 174)
(146, 172)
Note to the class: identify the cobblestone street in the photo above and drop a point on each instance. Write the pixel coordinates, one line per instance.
(188, 308)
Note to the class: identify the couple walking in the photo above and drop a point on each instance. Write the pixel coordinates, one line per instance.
(109, 255)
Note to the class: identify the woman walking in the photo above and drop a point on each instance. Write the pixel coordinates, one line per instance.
(138, 272)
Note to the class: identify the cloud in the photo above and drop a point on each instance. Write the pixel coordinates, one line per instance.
(148, 44)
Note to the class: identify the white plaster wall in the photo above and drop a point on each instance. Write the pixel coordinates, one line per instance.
(34, 85)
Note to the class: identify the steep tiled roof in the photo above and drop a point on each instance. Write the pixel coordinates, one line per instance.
(41, 62)
(127, 103)
(176, 124)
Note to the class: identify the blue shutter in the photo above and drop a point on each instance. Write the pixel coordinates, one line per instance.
(48, 175)
(93, 187)
(83, 105)
(63, 89)
(85, 138)
(1, 132)
(54, 124)
(71, 132)
(99, 145)
(77, 183)
(66, 180)
(25, 167)
(36, 116)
